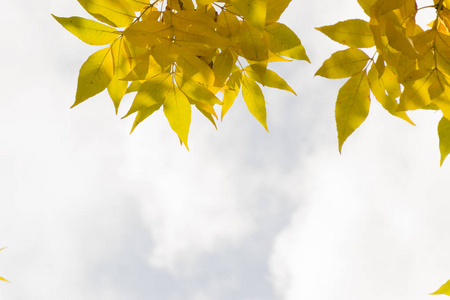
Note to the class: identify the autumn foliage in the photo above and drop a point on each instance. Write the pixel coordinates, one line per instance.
(179, 54)
(408, 68)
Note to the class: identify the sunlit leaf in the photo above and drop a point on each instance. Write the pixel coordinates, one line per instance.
(444, 126)
(352, 106)
(95, 75)
(254, 99)
(254, 11)
(90, 32)
(178, 112)
(353, 33)
(283, 41)
(117, 13)
(342, 64)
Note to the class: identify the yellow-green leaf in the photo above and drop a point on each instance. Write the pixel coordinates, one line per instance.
(253, 11)
(283, 41)
(342, 64)
(152, 92)
(178, 112)
(270, 79)
(254, 99)
(352, 106)
(90, 32)
(353, 33)
(95, 75)
(445, 288)
(117, 13)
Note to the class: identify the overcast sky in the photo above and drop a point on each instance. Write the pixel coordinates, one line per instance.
(89, 212)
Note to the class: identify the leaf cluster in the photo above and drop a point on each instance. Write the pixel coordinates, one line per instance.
(408, 70)
(177, 54)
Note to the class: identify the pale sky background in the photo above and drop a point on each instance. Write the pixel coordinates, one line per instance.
(89, 212)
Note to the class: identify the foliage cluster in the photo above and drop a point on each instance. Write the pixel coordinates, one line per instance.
(177, 54)
(408, 70)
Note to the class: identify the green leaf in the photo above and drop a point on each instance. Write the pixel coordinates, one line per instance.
(444, 289)
(95, 75)
(444, 147)
(283, 41)
(90, 32)
(353, 33)
(342, 64)
(117, 13)
(253, 11)
(178, 112)
(352, 106)
(254, 99)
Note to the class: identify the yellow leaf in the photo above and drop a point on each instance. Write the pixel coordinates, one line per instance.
(253, 11)
(90, 32)
(229, 24)
(144, 114)
(117, 88)
(230, 94)
(439, 92)
(196, 91)
(399, 41)
(270, 79)
(386, 89)
(152, 92)
(366, 5)
(135, 86)
(207, 111)
(117, 13)
(195, 68)
(95, 75)
(204, 2)
(178, 112)
(148, 33)
(254, 99)
(252, 45)
(274, 10)
(1, 278)
(415, 94)
(342, 64)
(444, 147)
(353, 33)
(283, 41)
(223, 64)
(352, 106)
